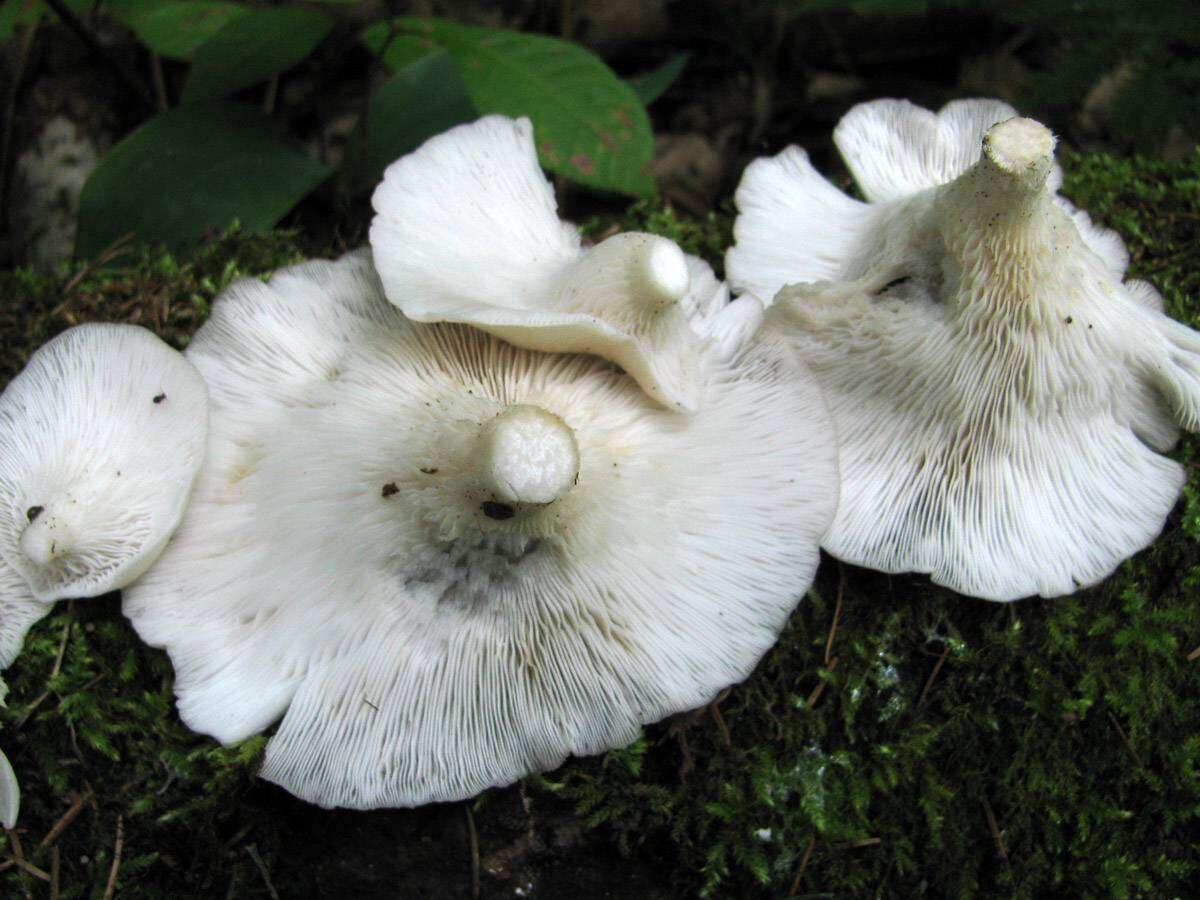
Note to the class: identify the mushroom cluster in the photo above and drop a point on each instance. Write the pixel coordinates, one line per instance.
(456, 506)
(441, 534)
(1002, 399)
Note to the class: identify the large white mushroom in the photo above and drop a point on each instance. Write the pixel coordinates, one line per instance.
(1001, 398)
(466, 230)
(101, 437)
(447, 561)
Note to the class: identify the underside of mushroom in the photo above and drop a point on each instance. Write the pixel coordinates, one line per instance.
(1002, 399)
(466, 230)
(447, 561)
(101, 437)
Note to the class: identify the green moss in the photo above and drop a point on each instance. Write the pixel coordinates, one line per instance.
(1071, 724)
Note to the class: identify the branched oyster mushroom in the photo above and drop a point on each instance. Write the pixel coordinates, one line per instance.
(101, 437)
(1001, 398)
(447, 561)
(466, 230)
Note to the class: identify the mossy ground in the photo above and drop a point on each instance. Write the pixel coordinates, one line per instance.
(899, 741)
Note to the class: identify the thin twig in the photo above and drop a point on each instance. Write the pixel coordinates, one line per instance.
(1125, 740)
(812, 842)
(473, 837)
(72, 22)
(820, 688)
(837, 613)
(160, 83)
(17, 858)
(1194, 655)
(54, 863)
(111, 887)
(24, 51)
(262, 870)
(714, 709)
(108, 254)
(937, 667)
(58, 660)
(62, 644)
(64, 820)
(270, 95)
(994, 828)
(859, 844)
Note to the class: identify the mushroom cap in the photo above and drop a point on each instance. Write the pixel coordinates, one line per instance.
(1001, 398)
(101, 437)
(466, 230)
(349, 563)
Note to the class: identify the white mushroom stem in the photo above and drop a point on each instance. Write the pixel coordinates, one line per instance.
(46, 538)
(1004, 234)
(647, 273)
(528, 456)
(1018, 156)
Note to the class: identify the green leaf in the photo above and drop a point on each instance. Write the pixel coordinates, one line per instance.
(418, 102)
(190, 170)
(251, 49)
(590, 125)
(652, 85)
(401, 50)
(175, 28)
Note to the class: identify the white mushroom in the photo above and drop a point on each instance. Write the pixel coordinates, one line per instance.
(794, 226)
(1001, 398)
(101, 437)
(466, 230)
(447, 561)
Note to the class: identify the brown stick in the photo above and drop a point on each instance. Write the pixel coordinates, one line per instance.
(111, 887)
(937, 667)
(994, 828)
(714, 709)
(108, 254)
(262, 870)
(864, 842)
(820, 688)
(1194, 655)
(1125, 740)
(837, 613)
(24, 52)
(160, 83)
(473, 836)
(269, 95)
(812, 842)
(54, 861)
(64, 820)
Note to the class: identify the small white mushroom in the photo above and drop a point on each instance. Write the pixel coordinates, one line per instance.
(1001, 397)
(466, 230)
(101, 437)
(447, 561)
